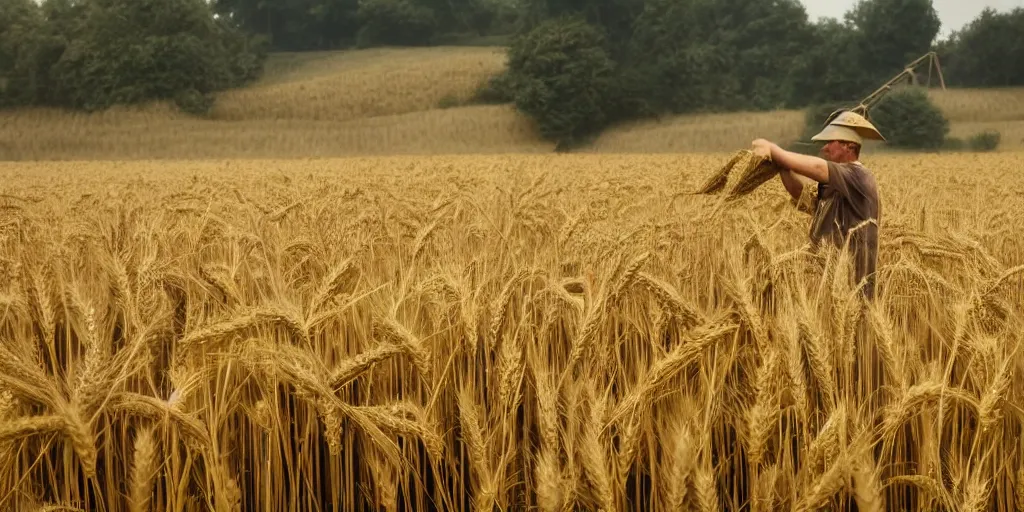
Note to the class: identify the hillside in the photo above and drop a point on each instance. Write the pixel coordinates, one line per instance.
(390, 101)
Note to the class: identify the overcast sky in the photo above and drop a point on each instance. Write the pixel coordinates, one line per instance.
(953, 13)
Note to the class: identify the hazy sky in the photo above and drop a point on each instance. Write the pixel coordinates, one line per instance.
(953, 13)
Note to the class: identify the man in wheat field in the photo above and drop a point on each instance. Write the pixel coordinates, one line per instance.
(846, 209)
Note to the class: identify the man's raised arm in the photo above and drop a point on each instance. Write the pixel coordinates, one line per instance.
(810, 166)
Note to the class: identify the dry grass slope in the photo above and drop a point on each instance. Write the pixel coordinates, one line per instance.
(345, 86)
(148, 135)
(526, 332)
(386, 101)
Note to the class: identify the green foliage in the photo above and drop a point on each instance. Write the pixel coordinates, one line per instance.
(615, 18)
(563, 78)
(448, 101)
(92, 54)
(954, 144)
(295, 25)
(981, 142)
(829, 67)
(459, 15)
(682, 56)
(986, 53)
(908, 119)
(395, 22)
(496, 90)
(244, 54)
(718, 55)
(985, 141)
(816, 115)
(892, 33)
(194, 102)
(130, 51)
(23, 42)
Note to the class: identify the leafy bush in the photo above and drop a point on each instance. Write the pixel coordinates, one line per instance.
(562, 77)
(194, 102)
(985, 141)
(954, 144)
(244, 54)
(496, 90)
(908, 119)
(448, 101)
(395, 22)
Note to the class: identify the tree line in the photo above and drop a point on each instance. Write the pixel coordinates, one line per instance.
(574, 65)
(581, 68)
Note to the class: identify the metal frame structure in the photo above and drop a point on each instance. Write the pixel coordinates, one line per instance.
(908, 73)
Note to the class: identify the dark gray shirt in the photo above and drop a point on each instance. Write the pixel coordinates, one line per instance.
(848, 211)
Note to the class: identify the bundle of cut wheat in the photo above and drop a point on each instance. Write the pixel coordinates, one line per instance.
(756, 171)
(717, 181)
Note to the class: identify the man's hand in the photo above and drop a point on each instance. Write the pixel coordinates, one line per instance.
(762, 148)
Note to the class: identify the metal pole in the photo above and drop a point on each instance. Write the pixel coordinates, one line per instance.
(939, 68)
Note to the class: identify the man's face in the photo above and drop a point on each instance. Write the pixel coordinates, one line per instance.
(835, 151)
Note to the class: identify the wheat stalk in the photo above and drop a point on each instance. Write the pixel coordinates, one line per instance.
(684, 354)
(763, 416)
(143, 473)
(241, 323)
(350, 369)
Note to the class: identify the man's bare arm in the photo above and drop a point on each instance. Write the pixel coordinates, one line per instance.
(792, 184)
(810, 166)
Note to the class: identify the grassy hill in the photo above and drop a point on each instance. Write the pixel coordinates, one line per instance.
(405, 101)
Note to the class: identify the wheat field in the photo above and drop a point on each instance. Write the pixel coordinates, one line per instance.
(502, 333)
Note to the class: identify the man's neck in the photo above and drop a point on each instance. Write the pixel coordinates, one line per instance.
(847, 161)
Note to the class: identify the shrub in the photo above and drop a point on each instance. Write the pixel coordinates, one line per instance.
(985, 141)
(954, 144)
(395, 22)
(562, 77)
(908, 119)
(496, 90)
(194, 102)
(448, 101)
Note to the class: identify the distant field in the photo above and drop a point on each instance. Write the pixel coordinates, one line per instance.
(389, 101)
(343, 86)
(150, 135)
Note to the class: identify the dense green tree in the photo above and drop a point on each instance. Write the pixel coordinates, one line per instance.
(21, 39)
(892, 33)
(719, 54)
(296, 25)
(614, 17)
(988, 52)
(396, 22)
(129, 51)
(829, 69)
(563, 78)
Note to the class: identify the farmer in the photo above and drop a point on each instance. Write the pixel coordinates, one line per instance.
(847, 208)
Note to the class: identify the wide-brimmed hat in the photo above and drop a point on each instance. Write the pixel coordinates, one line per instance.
(849, 127)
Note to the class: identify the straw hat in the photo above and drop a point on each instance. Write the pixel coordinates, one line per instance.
(850, 127)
